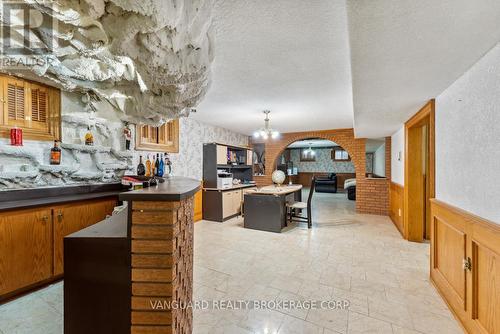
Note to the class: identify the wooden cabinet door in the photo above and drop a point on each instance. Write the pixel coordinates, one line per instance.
(25, 248)
(221, 155)
(198, 206)
(227, 204)
(73, 217)
(237, 202)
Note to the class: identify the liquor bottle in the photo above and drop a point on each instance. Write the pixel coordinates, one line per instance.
(157, 165)
(89, 137)
(141, 170)
(161, 167)
(55, 154)
(168, 165)
(153, 167)
(148, 167)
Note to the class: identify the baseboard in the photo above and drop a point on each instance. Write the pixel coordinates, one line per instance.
(396, 206)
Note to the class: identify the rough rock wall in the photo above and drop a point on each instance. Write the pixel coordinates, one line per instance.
(149, 59)
(106, 161)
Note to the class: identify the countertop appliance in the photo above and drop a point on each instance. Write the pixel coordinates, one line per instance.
(224, 179)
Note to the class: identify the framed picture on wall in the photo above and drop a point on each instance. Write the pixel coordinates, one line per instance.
(339, 154)
(307, 155)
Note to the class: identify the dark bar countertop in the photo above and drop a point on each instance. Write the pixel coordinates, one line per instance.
(114, 226)
(173, 189)
(29, 198)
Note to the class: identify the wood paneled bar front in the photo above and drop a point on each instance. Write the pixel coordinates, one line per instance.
(158, 267)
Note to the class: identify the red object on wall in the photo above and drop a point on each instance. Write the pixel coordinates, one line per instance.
(16, 137)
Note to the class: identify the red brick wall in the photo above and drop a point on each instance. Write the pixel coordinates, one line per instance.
(372, 195)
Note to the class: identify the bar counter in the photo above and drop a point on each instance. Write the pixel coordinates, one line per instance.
(156, 265)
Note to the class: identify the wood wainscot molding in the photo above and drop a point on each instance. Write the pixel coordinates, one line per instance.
(396, 206)
(465, 266)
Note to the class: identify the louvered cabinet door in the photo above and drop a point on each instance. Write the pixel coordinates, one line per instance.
(39, 101)
(15, 102)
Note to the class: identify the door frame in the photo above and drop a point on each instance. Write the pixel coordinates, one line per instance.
(414, 231)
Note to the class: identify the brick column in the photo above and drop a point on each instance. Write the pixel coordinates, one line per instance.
(162, 262)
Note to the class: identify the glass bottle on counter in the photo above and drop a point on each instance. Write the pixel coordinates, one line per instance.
(168, 165)
(157, 165)
(153, 167)
(89, 137)
(148, 166)
(141, 170)
(55, 154)
(161, 167)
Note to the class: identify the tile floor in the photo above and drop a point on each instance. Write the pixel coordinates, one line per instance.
(359, 258)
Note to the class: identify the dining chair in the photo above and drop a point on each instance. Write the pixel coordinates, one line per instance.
(292, 207)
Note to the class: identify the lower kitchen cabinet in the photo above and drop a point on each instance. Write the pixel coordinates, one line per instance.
(220, 205)
(31, 240)
(25, 248)
(73, 217)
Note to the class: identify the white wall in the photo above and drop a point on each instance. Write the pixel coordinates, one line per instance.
(468, 140)
(379, 161)
(398, 150)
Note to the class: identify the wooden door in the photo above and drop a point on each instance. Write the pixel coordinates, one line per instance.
(73, 217)
(221, 155)
(25, 248)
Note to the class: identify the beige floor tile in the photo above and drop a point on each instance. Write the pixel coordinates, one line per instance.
(427, 322)
(293, 325)
(263, 321)
(332, 319)
(391, 312)
(401, 330)
(359, 323)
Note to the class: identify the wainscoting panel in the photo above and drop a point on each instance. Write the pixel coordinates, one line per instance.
(465, 266)
(396, 206)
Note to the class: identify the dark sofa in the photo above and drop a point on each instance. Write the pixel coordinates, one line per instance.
(327, 184)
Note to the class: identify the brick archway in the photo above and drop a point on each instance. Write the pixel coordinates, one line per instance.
(372, 195)
(345, 143)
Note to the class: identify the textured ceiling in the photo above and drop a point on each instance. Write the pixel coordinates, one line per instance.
(293, 57)
(406, 52)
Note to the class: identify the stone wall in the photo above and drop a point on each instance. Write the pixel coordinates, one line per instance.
(107, 161)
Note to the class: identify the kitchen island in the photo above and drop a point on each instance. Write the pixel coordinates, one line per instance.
(265, 208)
(157, 231)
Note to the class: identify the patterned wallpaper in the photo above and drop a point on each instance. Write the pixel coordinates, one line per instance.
(193, 134)
(324, 163)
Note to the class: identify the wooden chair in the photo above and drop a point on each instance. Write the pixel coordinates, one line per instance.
(303, 206)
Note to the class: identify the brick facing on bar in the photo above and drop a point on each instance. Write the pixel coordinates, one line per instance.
(162, 266)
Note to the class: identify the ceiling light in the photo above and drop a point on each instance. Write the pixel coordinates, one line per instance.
(310, 151)
(266, 132)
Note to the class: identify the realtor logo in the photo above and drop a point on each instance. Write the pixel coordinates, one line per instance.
(24, 29)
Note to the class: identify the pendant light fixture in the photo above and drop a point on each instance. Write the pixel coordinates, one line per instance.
(310, 151)
(266, 132)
